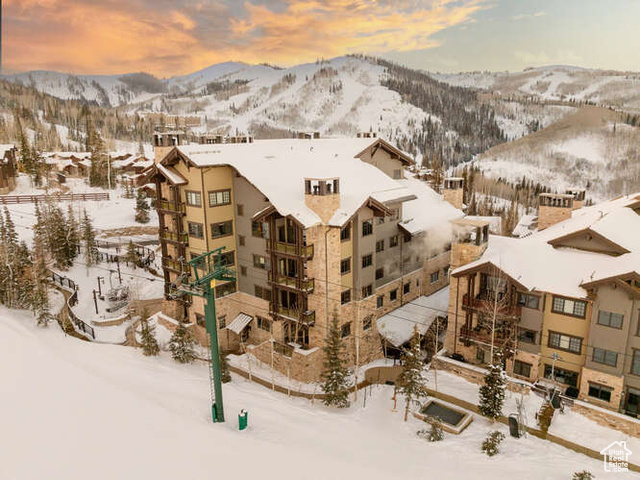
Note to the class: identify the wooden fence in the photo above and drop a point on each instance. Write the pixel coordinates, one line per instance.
(69, 284)
(66, 197)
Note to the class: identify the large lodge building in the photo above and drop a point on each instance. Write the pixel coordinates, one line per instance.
(314, 228)
(563, 304)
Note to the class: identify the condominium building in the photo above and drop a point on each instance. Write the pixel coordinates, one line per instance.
(562, 304)
(315, 229)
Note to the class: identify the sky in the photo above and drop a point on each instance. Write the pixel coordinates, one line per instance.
(170, 38)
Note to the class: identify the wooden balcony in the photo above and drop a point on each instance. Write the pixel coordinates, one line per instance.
(304, 251)
(174, 237)
(485, 303)
(483, 336)
(166, 206)
(307, 318)
(171, 264)
(305, 285)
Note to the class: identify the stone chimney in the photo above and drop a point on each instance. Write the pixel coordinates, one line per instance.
(579, 195)
(164, 139)
(554, 208)
(471, 238)
(453, 191)
(322, 196)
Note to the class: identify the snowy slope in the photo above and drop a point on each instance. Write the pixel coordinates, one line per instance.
(558, 82)
(77, 410)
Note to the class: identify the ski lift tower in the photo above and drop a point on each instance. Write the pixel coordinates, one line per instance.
(200, 280)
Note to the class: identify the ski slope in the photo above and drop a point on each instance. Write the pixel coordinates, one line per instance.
(76, 410)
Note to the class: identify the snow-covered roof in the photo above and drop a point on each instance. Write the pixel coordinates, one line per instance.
(495, 222)
(278, 168)
(239, 323)
(397, 326)
(526, 226)
(427, 211)
(67, 155)
(537, 264)
(4, 148)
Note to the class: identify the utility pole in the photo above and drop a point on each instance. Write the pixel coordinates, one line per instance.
(193, 284)
(99, 288)
(95, 301)
(119, 275)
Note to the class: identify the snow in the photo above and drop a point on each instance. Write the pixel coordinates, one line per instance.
(296, 160)
(590, 148)
(73, 408)
(398, 326)
(537, 265)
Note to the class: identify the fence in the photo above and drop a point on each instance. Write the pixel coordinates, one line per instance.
(145, 255)
(67, 283)
(65, 197)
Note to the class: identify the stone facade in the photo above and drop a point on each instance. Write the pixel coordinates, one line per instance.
(548, 216)
(614, 382)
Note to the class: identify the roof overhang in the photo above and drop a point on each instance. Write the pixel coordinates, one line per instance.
(616, 249)
(461, 272)
(380, 143)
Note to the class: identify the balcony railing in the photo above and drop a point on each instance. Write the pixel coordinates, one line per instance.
(308, 317)
(306, 285)
(483, 302)
(481, 335)
(172, 207)
(172, 264)
(175, 237)
(305, 251)
(283, 349)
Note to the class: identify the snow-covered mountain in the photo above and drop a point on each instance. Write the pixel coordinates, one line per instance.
(557, 83)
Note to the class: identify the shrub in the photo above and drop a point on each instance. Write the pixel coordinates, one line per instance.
(435, 433)
(492, 442)
(545, 416)
(583, 475)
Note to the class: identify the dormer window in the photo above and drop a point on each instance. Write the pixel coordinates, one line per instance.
(322, 187)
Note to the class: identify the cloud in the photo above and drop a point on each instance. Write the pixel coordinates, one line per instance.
(524, 16)
(166, 38)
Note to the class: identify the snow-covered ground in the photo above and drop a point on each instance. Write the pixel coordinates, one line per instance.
(77, 410)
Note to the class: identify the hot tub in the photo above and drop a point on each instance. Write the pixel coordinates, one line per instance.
(454, 419)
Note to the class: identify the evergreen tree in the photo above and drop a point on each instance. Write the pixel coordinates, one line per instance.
(225, 374)
(40, 294)
(492, 392)
(583, 475)
(335, 375)
(131, 257)
(492, 442)
(89, 240)
(411, 382)
(435, 432)
(148, 340)
(72, 243)
(181, 344)
(142, 207)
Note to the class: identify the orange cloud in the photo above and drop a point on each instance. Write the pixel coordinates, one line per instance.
(116, 36)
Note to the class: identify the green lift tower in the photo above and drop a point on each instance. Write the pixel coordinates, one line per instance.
(200, 281)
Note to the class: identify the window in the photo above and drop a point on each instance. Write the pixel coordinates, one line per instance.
(397, 174)
(241, 240)
(393, 241)
(222, 321)
(479, 355)
(393, 295)
(367, 322)
(262, 292)
(379, 246)
(224, 259)
(566, 306)
(395, 213)
(345, 296)
(528, 301)
(243, 271)
(195, 230)
(367, 260)
(219, 197)
(200, 320)
(565, 342)
(367, 227)
(367, 291)
(379, 273)
(406, 288)
(345, 233)
(527, 336)
(193, 199)
(445, 271)
(240, 210)
(609, 319)
(345, 266)
(380, 221)
(561, 375)
(522, 368)
(345, 331)
(264, 324)
(635, 362)
(260, 262)
(600, 392)
(606, 357)
(259, 229)
(435, 276)
(221, 229)
(380, 301)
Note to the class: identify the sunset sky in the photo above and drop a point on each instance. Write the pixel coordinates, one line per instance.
(168, 38)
